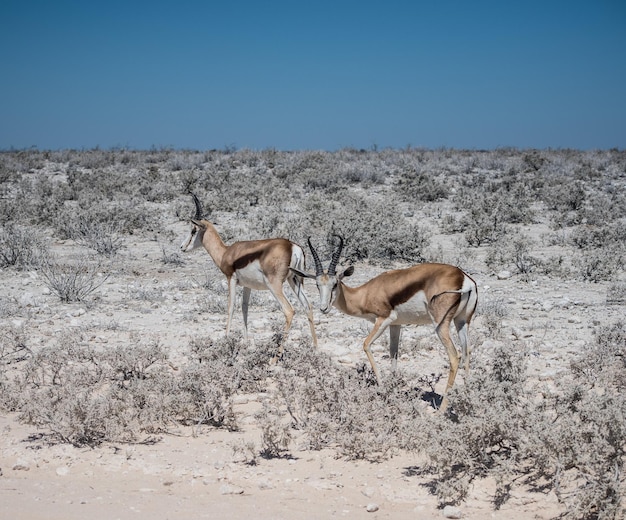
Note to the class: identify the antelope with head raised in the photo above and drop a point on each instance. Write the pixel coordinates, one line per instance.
(253, 264)
(438, 294)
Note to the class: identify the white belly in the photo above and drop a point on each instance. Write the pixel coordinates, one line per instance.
(413, 311)
(251, 276)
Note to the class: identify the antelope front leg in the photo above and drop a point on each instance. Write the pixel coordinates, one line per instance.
(296, 286)
(277, 290)
(379, 327)
(394, 342)
(245, 299)
(232, 287)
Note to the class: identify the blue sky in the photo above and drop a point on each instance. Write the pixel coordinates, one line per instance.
(321, 75)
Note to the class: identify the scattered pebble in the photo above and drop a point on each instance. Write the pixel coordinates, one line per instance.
(372, 507)
(368, 492)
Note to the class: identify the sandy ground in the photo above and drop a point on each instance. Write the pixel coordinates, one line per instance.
(195, 473)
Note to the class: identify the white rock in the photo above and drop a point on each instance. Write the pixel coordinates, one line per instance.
(372, 507)
(228, 489)
(452, 512)
(17, 324)
(62, 471)
(504, 275)
(27, 299)
(21, 465)
(265, 484)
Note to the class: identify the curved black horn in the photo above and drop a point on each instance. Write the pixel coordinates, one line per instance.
(199, 214)
(319, 269)
(335, 257)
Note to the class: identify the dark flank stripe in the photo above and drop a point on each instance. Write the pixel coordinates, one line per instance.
(406, 293)
(242, 254)
(425, 277)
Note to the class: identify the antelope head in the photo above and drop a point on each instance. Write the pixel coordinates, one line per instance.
(328, 281)
(198, 227)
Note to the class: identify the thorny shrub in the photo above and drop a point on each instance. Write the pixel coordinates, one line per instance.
(84, 395)
(376, 230)
(102, 237)
(19, 247)
(485, 430)
(514, 252)
(571, 440)
(276, 433)
(75, 280)
(341, 408)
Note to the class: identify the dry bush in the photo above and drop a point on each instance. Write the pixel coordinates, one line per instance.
(484, 432)
(58, 391)
(40, 199)
(345, 409)
(571, 440)
(375, 230)
(604, 364)
(247, 365)
(599, 264)
(216, 371)
(20, 247)
(414, 186)
(578, 446)
(616, 293)
(102, 237)
(171, 257)
(75, 280)
(495, 204)
(85, 396)
(276, 433)
(14, 351)
(111, 218)
(493, 311)
(513, 252)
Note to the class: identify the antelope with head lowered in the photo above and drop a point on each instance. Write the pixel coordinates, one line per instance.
(254, 264)
(437, 294)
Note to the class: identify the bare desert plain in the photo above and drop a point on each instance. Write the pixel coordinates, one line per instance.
(550, 285)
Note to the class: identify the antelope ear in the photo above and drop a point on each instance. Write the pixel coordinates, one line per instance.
(301, 273)
(349, 271)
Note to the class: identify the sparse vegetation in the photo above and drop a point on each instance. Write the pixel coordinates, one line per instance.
(564, 436)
